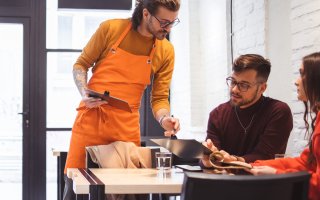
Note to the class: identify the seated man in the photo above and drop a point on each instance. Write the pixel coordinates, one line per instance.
(250, 126)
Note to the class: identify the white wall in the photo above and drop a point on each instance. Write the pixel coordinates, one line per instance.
(180, 98)
(198, 83)
(278, 49)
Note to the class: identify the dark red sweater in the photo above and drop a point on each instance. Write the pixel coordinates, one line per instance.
(267, 135)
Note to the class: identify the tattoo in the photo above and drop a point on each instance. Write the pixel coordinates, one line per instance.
(80, 77)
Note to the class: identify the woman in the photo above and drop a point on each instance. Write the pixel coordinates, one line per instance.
(308, 88)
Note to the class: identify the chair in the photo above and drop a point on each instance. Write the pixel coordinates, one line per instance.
(92, 162)
(201, 186)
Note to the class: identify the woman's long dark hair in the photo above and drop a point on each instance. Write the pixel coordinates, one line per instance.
(152, 6)
(311, 84)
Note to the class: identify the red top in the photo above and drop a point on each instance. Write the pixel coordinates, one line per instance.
(286, 165)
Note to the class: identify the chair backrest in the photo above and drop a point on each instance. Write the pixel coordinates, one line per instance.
(202, 186)
(101, 155)
(91, 161)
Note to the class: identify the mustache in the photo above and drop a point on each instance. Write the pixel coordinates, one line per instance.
(235, 94)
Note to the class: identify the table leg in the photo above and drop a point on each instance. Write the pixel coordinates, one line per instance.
(61, 162)
(82, 196)
(96, 192)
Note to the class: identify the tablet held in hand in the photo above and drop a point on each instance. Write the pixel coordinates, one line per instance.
(112, 101)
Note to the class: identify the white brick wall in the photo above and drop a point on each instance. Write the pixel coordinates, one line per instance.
(248, 27)
(283, 31)
(305, 30)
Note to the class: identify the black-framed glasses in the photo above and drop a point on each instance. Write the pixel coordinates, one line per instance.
(167, 24)
(242, 86)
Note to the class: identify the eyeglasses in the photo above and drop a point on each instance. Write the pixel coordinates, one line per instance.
(243, 87)
(167, 24)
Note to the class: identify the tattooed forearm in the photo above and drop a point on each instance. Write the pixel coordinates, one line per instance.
(80, 78)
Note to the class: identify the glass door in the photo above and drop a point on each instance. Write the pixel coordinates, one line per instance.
(13, 106)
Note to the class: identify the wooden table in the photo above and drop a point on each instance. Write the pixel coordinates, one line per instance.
(62, 156)
(97, 181)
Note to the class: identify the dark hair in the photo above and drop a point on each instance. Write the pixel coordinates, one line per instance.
(255, 62)
(311, 83)
(152, 6)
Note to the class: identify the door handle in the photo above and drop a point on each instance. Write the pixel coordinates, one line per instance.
(25, 113)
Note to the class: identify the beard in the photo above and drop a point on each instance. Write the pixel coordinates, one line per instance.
(159, 34)
(243, 102)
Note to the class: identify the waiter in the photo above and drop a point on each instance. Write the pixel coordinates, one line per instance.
(125, 54)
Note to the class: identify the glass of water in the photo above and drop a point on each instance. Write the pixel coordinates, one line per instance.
(163, 160)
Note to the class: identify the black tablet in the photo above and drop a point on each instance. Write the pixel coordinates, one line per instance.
(183, 148)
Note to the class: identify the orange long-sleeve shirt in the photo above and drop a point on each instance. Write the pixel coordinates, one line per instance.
(287, 165)
(162, 63)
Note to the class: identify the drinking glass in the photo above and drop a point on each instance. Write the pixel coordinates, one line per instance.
(163, 160)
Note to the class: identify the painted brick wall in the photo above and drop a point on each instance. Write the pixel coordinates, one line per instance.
(305, 30)
(248, 27)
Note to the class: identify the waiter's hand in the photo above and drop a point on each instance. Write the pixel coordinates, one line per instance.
(171, 125)
(92, 102)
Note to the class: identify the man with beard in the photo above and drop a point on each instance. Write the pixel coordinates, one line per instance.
(126, 54)
(250, 126)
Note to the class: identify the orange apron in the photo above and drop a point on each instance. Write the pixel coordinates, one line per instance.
(125, 76)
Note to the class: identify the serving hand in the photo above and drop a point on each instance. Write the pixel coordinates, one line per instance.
(92, 102)
(170, 124)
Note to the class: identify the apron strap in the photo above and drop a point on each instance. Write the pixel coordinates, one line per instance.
(124, 33)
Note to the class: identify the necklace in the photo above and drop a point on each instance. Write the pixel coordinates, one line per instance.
(247, 127)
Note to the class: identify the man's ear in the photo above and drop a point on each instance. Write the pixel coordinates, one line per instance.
(263, 87)
(145, 13)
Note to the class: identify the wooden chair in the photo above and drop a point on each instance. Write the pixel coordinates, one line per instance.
(291, 186)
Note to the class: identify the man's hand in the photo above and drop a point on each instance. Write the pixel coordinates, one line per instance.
(171, 125)
(92, 102)
(205, 159)
(227, 157)
(209, 144)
